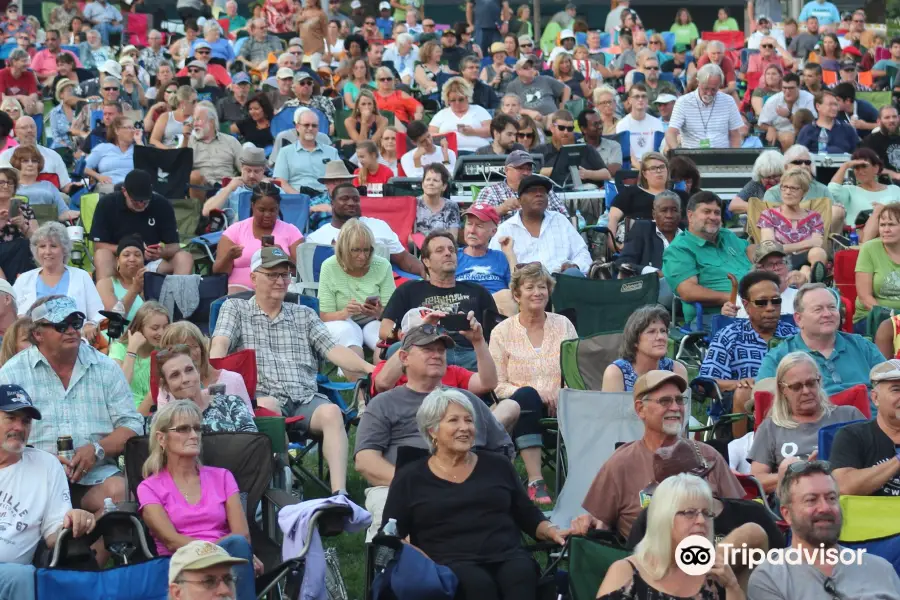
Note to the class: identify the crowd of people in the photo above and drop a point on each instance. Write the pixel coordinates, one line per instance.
(449, 327)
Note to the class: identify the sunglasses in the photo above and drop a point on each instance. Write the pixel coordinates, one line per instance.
(668, 401)
(77, 323)
(202, 52)
(801, 162)
(527, 136)
(385, 79)
(526, 45)
(110, 89)
(370, 22)
(306, 82)
(651, 69)
(187, 429)
(189, 71)
(766, 45)
(800, 467)
(768, 302)
(565, 128)
(800, 385)
(429, 329)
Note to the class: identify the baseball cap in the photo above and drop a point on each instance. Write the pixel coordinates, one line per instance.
(197, 556)
(112, 68)
(525, 60)
(566, 34)
(240, 78)
(197, 64)
(664, 99)
(139, 186)
(422, 335)
(767, 248)
(449, 32)
(301, 75)
(483, 212)
(295, 42)
(56, 311)
(384, 6)
(202, 44)
(651, 380)
(284, 73)
(886, 371)
(535, 180)
(269, 257)
(7, 288)
(762, 19)
(848, 65)
(13, 398)
(680, 48)
(517, 158)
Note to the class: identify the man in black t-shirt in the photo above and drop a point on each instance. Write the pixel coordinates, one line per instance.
(562, 130)
(866, 456)
(440, 292)
(886, 141)
(133, 209)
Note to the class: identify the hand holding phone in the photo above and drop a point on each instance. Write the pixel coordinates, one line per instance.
(267, 240)
(372, 300)
(456, 322)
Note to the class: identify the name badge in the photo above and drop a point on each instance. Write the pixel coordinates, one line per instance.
(704, 143)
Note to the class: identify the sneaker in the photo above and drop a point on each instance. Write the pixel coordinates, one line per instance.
(537, 492)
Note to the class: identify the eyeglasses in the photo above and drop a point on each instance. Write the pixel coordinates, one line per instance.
(525, 136)
(110, 89)
(651, 69)
(654, 43)
(309, 126)
(77, 323)
(800, 385)
(859, 20)
(800, 467)
(668, 401)
(305, 82)
(385, 79)
(791, 188)
(191, 71)
(693, 513)
(187, 429)
(370, 22)
(526, 45)
(459, 99)
(273, 277)
(565, 128)
(639, 97)
(801, 162)
(656, 169)
(5, 183)
(211, 583)
(27, 161)
(767, 302)
(429, 329)
(428, 25)
(202, 52)
(766, 45)
(605, 103)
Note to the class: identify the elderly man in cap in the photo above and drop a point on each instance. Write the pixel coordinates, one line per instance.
(540, 95)
(83, 394)
(201, 54)
(284, 92)
(663, 106)
(504, 196)
(135, 209)
(202, 82)
(303, 163)
(202, 570)
(390, 418)
(253, 171)
(36, 502)
(542, 235)
(614, 499)
(232, 108)
(480, 264)
(289, 340)
(216, 155)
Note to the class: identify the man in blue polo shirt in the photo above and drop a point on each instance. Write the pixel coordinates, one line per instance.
(476, 262)
(844, 359)
(697, 262)
(303, 163)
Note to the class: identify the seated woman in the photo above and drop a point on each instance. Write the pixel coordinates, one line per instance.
(465, 509)
(498, 74)
(16, 338)
(169, 127)
(364, 122)
(51, 248)
(525, 349)
(182, 500)
(433, 211)
(604, 98)
(359, 79)
(877, 266)
(388, 98)
(15, 230)
(132, 350)
(256, 128)
(769, 85)
(180, 378)
(529, 134)
(126, 286)
(241, 240)
(109, 163)
(801, 231)
(651, 571)
(39, 193)
(69, 120)
(354, 287)
(565, 72)
(790, 432)
(188, 334)
(426, 72)
(471, 122)
(767, 171)
(644, 345)
(868, 191)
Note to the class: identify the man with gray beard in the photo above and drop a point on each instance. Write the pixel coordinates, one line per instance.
(216, 155)
(810, 503)
(886, 141)
(707, 117)
(614, 499)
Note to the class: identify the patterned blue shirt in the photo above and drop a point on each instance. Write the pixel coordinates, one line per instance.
(97, 401)
(737, 350)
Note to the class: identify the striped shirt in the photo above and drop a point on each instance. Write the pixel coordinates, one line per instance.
(737, 350)
(696, 121)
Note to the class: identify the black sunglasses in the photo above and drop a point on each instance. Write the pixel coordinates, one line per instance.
(766, 46)
(803, 162)
(110, 89)
(429, 329)
(527, 136)
(767, 302)
(566, 128)
(77, 323)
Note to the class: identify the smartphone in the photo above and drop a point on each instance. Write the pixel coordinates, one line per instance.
(14, 208)
(153, 247)
(217, 389)
(456, 322)
(267, 240)
(372, 300)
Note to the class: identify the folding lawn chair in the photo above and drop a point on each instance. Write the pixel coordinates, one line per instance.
(583, 360)
(210, 288)
(310, 257)
(871, 524)
(827, 435)
(603, 306)
(590, 557)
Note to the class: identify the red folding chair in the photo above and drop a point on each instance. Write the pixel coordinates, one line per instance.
(845, 281)
(137, 29)
(51, 177)
(733, 40)
(399, 212)
(857, 396)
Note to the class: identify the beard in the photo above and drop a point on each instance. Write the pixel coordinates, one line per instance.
(14, 444)
(821, 529)
(671, 427)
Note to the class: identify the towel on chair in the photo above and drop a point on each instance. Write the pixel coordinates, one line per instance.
(182, 291)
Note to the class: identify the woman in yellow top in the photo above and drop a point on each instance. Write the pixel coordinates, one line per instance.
(684, 29)
(878, 269)
(525, 349)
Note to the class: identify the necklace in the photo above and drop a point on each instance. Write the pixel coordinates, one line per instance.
(448, 470)
(190, 496)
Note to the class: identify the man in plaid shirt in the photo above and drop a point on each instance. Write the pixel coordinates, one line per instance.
(289, 340)
(504, 197)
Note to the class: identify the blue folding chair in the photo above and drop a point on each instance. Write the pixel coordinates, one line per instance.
(142, 581)
(827, 435)
(669, 38)
(283, 121)
(605, 39)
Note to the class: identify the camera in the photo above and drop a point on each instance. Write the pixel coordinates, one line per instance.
(116, 323)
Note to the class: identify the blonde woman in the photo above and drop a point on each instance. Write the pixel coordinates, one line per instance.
(682, 505)
(564, 71)
(12, 107)
(177, 489)
(354, 287)
(387, 149)
(365, 122)
(604, 98)
(16, 338)
(790, 432)
(170, 126)
(470, 122)
(425, 74)
(132, 351)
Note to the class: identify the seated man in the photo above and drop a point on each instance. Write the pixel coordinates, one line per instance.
(504, 129)
(771, 52)
(775, 118)
(345, 205)
(813, 78)
(303, 163)
(19, 82)
(864, 455)
(205, 562)
(476, 262)
(504, 196)
(441, 292)
(289, 340)
(715, 54)
(216, 154)
(83, 394)
(841, 137)
(253, 171)
(540, 95)
(697, 263)
(844, 359)
(610, 151)
(738, 349)
(135, 209)
(97, 136)
(562, 133)
(389, 421)
(542, 235)
(769, 256)
(26, 135)
(615, 496)
(424, 151)
(858, 113)
(810, 502)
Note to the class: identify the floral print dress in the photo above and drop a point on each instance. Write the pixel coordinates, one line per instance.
(427, 220)
(791, 232)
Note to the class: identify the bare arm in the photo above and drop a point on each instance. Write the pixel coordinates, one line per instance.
(386, 329)
(156, 136)
(162, 529)
(218, 348)
(390, 373)
(865, 289)
(764, 474)
(485, 380)
(372, 465)
(348, 360)
(691, 291)
(114, 443)
(221, 197)
(566, 96)
(409, 263)
(237, 520)
(864, 482)
(672, 137)
(613, 380)
(734, 137)
(224, 259)
(738, 205)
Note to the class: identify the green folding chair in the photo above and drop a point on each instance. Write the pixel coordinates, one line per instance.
(589, 559)
(583, 360)
(603, 306)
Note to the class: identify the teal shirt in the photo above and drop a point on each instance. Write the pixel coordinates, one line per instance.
(849, 364)
(691, 256)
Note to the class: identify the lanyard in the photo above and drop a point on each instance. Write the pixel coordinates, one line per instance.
(712, 107)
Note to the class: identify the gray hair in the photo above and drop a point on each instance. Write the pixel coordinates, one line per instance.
(17, 54)
(668, 195)
(715, 45)
(468, 60)
(645, 54)
(709, 71)
(805, 289)
(601, 90)
(781, 413)
(795, 152)
(433, 409)
(511, 96)
(211, 111)
(54, 232)
(211, 25)
(640, 320)
(768, 164)
(404, 38)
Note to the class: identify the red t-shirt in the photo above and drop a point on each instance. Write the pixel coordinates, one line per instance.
(24, 85)
(454, 377)
(726, 65)
(381, 175)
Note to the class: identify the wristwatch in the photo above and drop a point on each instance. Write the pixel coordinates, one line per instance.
(99, 453)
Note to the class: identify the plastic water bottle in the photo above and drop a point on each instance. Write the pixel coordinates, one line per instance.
(385, 553)
(854, 238)
(108, 506)
(823, 140)
(582, 223)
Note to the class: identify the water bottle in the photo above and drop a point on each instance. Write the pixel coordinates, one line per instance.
(119, 308)
(108, 506)
(823, 140)
(854, 239)
(582, 223)
(385, 553)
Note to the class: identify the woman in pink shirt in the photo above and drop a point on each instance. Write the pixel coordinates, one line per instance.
(241, 240)
(182, 501)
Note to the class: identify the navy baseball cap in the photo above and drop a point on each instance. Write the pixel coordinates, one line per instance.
(13, 398)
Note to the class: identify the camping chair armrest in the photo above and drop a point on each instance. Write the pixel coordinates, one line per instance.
(279, 498)
(706, 387)
(404, 274)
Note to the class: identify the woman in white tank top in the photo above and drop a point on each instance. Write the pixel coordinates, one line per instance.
(169, 127)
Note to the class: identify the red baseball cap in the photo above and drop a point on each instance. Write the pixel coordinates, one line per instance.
(484, 212)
